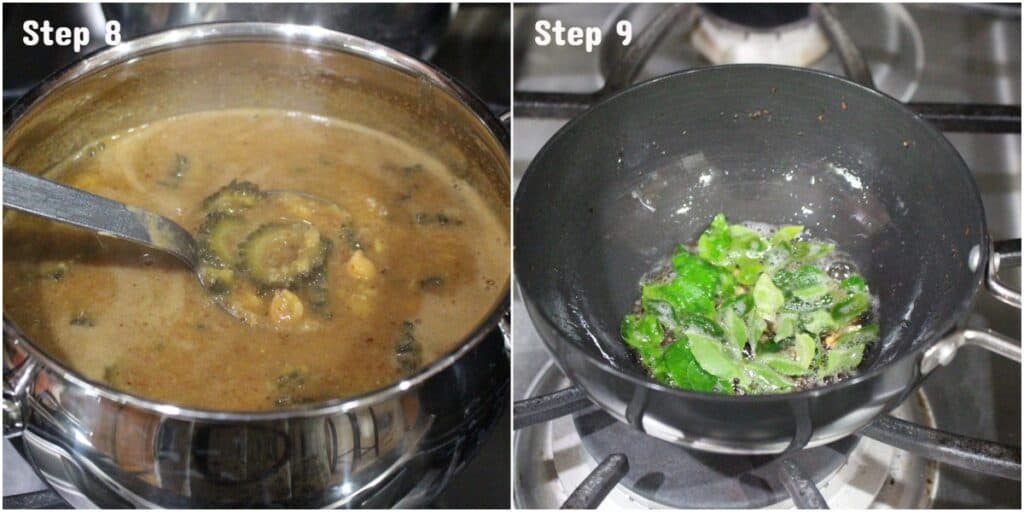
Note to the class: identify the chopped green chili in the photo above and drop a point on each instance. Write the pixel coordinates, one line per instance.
(749, 313)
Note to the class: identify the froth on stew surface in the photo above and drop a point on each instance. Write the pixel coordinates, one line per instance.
(416, 264)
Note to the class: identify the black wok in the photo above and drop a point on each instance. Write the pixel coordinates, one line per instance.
(612, 193)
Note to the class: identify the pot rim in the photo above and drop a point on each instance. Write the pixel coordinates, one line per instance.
(947, 325)
(304, 35)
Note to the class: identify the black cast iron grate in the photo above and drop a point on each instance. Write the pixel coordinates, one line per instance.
(796, 473)
(672, 475)
(623, 68)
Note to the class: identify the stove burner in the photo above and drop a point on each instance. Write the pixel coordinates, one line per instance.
(760, 16)
(671, 475)
(770, 34)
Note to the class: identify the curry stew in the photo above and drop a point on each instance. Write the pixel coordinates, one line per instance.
(394, 267)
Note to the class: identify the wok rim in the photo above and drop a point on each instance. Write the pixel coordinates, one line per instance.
(946, 325)
(308, 36)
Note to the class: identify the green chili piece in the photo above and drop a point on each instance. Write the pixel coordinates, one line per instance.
(849, 308)
(683, 296)
(715, 243)
(745, 313)
(642, 331)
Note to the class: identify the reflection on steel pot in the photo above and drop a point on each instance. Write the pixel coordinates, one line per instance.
(395, 446)
(410, 28)
(649, 168)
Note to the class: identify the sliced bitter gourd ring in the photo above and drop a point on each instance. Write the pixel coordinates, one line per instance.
(221, 234)
(280, 253)
(235, 197)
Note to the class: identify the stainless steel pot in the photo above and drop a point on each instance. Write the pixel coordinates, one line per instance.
(394, 446)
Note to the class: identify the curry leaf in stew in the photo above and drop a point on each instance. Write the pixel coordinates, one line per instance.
(751, 310)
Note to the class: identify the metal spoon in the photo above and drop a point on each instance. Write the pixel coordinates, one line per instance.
(40, 196)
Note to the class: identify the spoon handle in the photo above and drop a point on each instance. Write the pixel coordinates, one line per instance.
(49, 199)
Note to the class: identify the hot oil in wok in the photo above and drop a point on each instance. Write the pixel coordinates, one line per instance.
(416, 264)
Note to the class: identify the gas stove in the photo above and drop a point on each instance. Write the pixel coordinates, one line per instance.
(461, 40)
(853, 473)
(959, 67)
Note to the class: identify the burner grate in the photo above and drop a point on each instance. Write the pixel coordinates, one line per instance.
(672, 475)
(761, 480)
(620, 70)
(947, 117)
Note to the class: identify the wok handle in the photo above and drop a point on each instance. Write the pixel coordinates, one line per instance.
(978, 455)
(994, 342)
(1004, 254)
(943, 352)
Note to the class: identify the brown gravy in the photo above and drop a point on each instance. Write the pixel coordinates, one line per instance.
(141, 322)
